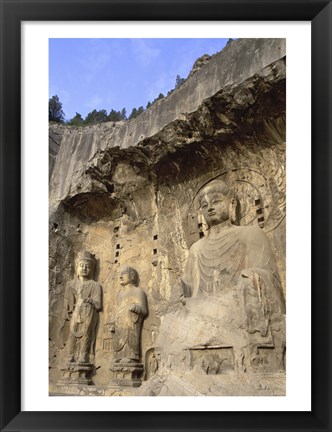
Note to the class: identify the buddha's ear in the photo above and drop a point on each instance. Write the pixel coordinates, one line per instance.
(234, 211)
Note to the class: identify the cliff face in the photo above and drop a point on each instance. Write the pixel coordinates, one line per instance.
(127, 191)
(218, 82)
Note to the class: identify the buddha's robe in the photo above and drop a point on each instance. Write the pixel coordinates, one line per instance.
(127, 325)
(231, 278)
(84, 317)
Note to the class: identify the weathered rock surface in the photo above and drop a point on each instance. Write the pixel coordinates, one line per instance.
(218, 75)
(201, 61)
(56, 132)
(127, 192)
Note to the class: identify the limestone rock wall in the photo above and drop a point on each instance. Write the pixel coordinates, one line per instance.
(238, 62)
(127, 191)
(56, 132)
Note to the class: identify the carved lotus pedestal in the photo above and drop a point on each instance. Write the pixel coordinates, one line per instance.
(126, 374)
(76, 373)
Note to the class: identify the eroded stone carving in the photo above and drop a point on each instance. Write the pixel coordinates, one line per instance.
(212, 361)
(152, 362)
(83, 302)
(235, 304)
(131, 308)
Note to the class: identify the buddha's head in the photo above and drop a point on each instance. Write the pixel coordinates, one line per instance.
(128, 275)
(86, 264)
(219, 203)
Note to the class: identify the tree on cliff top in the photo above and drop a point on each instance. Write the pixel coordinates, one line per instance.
(55, 112)
(136, 112)
(76, 121)
(179, 81)
(95, 117)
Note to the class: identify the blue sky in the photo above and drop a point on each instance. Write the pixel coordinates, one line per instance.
(108, 74)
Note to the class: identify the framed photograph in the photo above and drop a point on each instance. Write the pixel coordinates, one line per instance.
(152, 255)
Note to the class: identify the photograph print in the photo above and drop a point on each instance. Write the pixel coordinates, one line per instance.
(167, 217)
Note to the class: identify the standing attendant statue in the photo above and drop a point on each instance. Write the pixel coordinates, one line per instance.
(130, 312)
(131, 308)
(83, 302)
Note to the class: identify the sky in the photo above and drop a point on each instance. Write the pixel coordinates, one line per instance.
(88, 74)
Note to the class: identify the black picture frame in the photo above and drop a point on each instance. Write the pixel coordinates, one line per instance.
(13, 12)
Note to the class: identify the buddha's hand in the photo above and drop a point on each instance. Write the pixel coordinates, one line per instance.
(67, 316)
(250, 278)
(247, 273)
(112, 327)
(89, 301)
(135, 308)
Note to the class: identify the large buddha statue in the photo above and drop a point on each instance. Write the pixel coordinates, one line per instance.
(233, 313)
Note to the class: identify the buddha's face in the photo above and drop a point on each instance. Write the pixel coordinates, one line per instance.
(215, 207)
(85, 268)
(124, 278)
